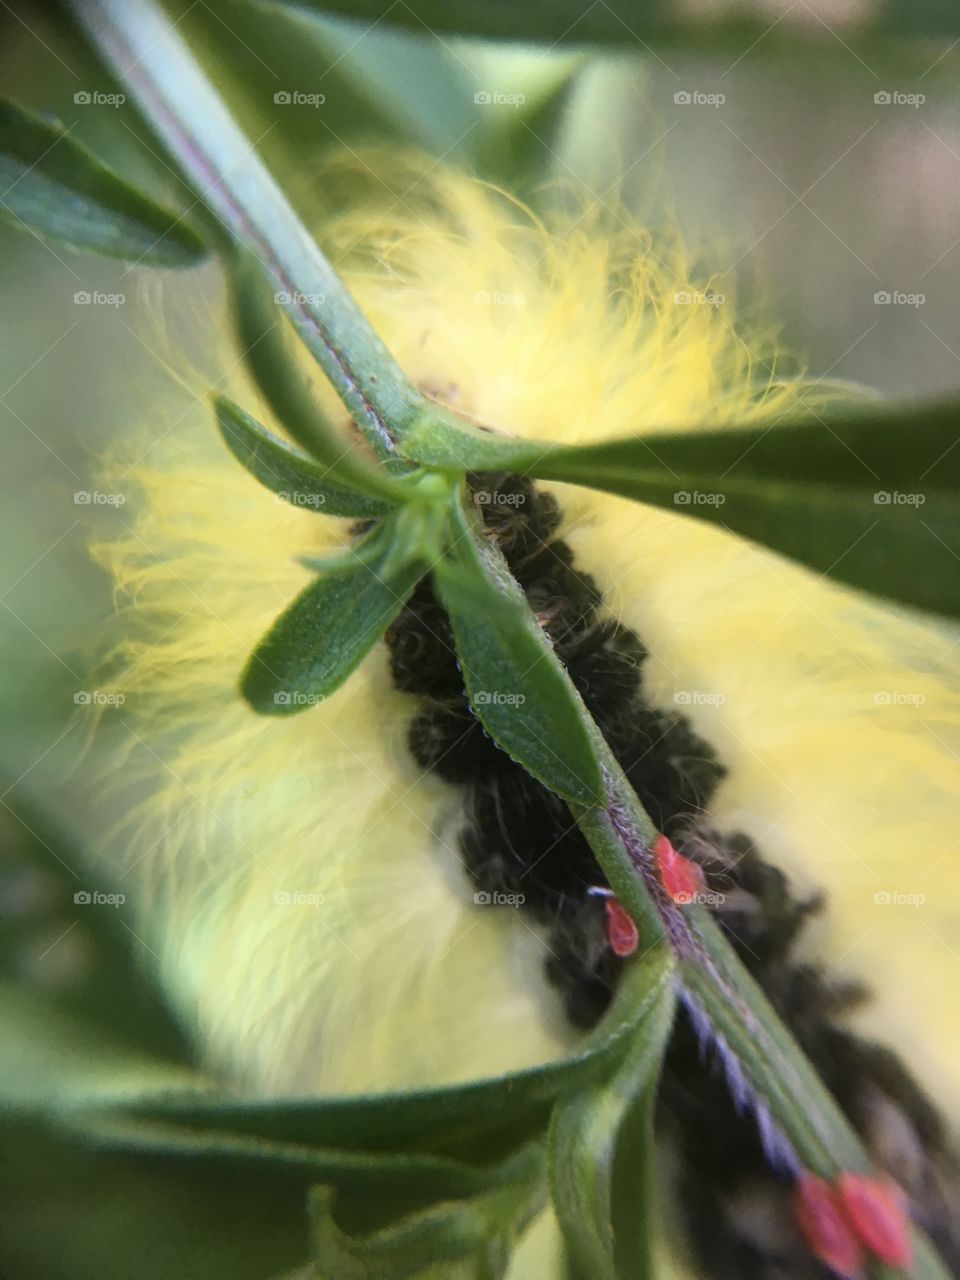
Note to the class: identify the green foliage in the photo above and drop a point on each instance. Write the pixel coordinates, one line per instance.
(632, 23)
(516, 684)
(464, 1121)
(121, 1162)
(53, 186)
(870, 498)
(260, 329)
(295, 476)
(601, 1158)
(71, 1212)
(470, 1238)
(329, 629)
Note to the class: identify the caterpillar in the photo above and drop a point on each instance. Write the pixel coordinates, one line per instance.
(457, 933)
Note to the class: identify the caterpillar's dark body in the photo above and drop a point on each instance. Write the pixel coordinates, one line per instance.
(519, 839)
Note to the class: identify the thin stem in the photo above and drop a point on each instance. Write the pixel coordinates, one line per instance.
(800, 1124)
(740, 1016)
(222, 165)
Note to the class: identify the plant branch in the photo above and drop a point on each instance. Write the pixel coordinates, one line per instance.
(221, 164)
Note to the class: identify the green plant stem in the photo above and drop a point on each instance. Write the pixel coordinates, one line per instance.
(221, 163)
(711, 972)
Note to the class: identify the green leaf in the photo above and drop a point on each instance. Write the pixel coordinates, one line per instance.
(456, 1168)
(634, 24)
(441, 439)
(327, 631)
(467, 1119)
(869, 498)
(439, 116)
(517, 686)
(285, 470)
(260, 327)
(519, 142)
(72, 954)
(68, 1212)
(386, 1175)
(872, 500)
(601, 1152)
(462, 1237)
(54, 186)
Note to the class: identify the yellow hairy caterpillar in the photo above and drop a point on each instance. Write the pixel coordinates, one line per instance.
(371, 896)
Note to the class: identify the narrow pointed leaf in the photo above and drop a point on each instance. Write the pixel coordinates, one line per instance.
(389, 1174)
(294, 476)
(601, 1152)
(325, 634)
(472, 1236)
(261, 328)
(516, 684)
(52, 185)
(871, 499)
(449, 1118)
(631, 24)
(519, 143)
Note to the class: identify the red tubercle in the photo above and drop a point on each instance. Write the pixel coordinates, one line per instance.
(621, 931)
(681, 878)
(819, 1213)
(876, 1209)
